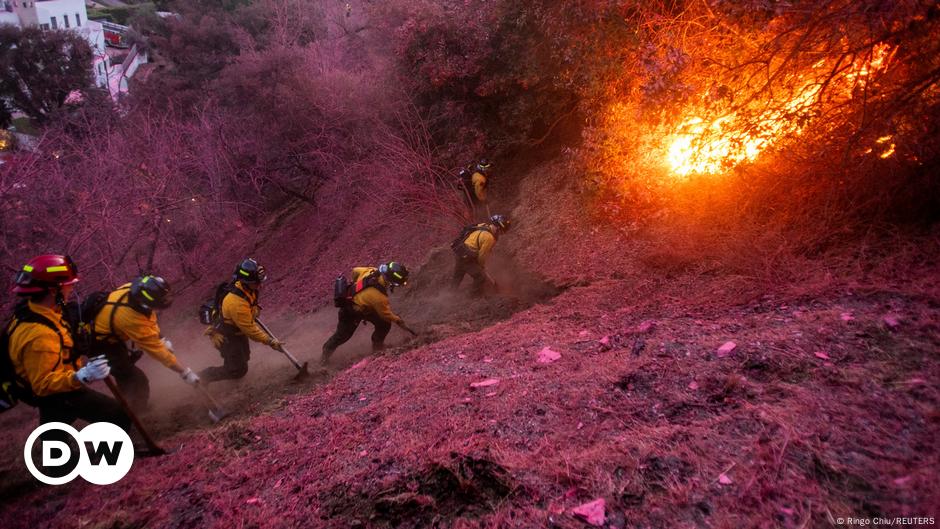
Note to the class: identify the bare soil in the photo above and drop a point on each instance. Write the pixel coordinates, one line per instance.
(827, 406)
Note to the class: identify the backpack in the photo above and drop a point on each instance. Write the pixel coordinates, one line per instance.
(13, 389)
(465, 178)
(210, 313)
(344, 291)
(460, 249)
(80, 318)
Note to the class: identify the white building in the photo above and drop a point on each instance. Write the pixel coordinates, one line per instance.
(51, 14)
(71, 15)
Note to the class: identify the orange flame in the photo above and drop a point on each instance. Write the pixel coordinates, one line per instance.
(709, 146)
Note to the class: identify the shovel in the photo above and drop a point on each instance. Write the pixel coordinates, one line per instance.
(302, 369)
(216, 413)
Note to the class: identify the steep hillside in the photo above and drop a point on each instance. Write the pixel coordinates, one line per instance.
(595, 373)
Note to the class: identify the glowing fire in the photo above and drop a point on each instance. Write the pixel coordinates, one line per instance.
(708, 146)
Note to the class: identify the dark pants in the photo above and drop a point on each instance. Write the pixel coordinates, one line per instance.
(235, 353)
(469, 266)
(85, 404)
(349, 319)
(130, 379)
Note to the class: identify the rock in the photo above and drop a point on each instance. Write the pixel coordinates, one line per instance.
(820, 354)
(359, 364)
(847, 316)
(892, 321)
(645, 326)
(724, 479)
(693, 385)
(485, 383)
(726, 349)
(591, 512)
(547, 356)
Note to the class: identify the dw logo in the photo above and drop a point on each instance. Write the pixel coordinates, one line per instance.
(104, 453)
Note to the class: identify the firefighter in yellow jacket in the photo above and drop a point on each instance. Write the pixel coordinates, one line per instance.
(368, 301)
(472, 250)
(240, 311)
(478, 182)
(126, 328)
(40, 348)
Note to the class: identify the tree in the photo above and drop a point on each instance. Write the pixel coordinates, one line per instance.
(38, 69)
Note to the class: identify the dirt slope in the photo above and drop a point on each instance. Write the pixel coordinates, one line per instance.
(827, 406)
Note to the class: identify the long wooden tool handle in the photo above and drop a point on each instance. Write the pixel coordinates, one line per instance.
(283, 350)
(205, 394)
(112, 385)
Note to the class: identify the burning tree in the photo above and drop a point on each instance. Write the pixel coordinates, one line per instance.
(831, 87)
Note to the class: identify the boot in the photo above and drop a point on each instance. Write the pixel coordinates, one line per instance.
(325, 356)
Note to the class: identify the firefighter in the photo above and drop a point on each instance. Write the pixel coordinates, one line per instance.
(472, 250)
(240, 311)
(126, 327)
(478, 182)
(40, 348)
(368, 301)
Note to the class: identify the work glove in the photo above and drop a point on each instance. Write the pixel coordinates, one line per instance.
(190, 377)
(96, 369)
(277, 345)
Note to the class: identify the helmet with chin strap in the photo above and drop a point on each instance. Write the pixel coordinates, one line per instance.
(501, 223)
(45, 273)
(395, 273)
(250, 272)
(151, 292)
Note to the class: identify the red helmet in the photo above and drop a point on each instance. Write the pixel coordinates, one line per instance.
(45, 272)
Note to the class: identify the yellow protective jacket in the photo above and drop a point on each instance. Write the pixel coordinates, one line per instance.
(242, 313)
(479, 185)
(481, 242)
(41, 357)
(372, 300)
(131, 325)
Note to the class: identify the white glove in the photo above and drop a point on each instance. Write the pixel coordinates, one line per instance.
(190, 377)
(96, 369)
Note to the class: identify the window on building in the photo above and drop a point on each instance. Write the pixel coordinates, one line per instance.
(44, 26)
(65, 18)
(78, 20)
(55, 24)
